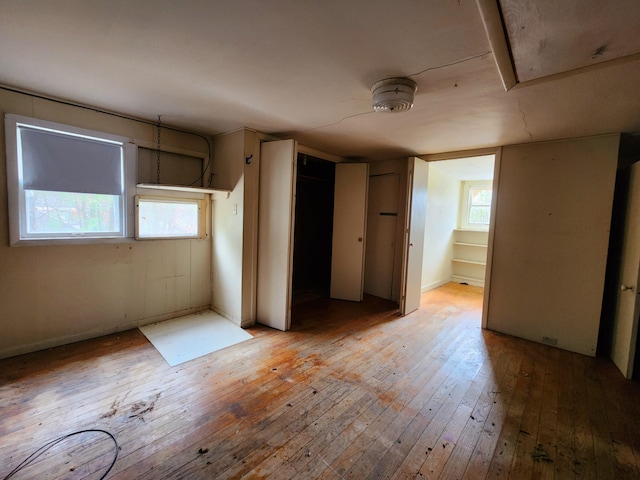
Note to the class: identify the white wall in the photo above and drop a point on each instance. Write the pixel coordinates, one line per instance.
(550, 242)
(227, 225)
(443, 201)
(52, 295)
(233, 264)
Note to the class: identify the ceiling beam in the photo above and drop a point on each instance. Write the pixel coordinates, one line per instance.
(492, 20)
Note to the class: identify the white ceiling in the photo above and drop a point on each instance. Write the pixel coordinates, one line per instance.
(469, 168)
(304, 69)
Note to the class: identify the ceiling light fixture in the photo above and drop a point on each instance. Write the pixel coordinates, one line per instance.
(393, 94)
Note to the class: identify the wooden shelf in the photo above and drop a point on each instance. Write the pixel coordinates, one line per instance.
(182, 188)
(462, 244)
(472, 262)
(469, 256)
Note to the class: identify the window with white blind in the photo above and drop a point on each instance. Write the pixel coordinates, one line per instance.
(64, 182)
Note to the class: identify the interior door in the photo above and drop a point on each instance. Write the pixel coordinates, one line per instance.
(625, 327)
(418, 176)
(349, 226)
(382, 218)
(275, 233)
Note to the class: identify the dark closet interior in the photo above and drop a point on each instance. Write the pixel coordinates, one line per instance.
(313, 228)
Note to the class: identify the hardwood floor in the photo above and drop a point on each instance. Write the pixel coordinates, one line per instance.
(353, 391)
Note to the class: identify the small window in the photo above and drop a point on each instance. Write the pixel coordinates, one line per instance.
(160, 217)
(476, 213)
(64, 182)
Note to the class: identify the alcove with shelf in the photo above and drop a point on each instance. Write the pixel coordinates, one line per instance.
(469, 256)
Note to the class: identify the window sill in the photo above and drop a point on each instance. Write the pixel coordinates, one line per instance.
(42, 242)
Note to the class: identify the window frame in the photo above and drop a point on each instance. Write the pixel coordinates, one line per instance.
(168, 197)
(466, 204)
(16, 192)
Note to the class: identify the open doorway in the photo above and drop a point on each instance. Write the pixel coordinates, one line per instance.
(457, 222)
(313, 231)
(281, 242)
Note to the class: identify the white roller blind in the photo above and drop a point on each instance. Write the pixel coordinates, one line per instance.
(57, 162)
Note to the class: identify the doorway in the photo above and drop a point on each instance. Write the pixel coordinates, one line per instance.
(313, 229)
(457, 222)
(277, 230)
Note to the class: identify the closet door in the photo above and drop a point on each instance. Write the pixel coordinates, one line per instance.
(382, 228)
(418, 175)
(349, 227)
(275, 233)
(625, 327)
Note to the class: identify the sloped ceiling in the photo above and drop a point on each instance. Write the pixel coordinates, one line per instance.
(547, 37)
(304, 69)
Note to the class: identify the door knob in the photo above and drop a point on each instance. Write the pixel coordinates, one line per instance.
(624, 287)
(359, 239)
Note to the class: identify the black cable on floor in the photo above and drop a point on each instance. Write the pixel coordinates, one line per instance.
(31, 458)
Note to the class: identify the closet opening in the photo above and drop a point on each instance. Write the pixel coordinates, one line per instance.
(313, 232)
(457, 222)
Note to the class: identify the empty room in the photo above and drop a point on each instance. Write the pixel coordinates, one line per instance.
(299, 240)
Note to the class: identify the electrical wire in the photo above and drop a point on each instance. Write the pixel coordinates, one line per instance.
(455, 62)
(436, 67)
(35, 455)
(126, 117)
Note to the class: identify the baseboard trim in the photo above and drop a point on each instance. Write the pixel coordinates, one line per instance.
(433, 285)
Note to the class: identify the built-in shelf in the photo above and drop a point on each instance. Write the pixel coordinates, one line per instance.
(183, 188)
(469, 256)
(471, 262)
(463, 244)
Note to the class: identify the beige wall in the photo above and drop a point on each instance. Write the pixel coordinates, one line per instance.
(51, 295)
(552, 221)
(551, 236)
(236, 165)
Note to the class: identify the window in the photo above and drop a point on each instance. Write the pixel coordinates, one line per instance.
(160, 217)
(64, 182)
(476, 212)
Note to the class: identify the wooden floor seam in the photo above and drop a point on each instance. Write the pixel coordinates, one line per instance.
(353, 391)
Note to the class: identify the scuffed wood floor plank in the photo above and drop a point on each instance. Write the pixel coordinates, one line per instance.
(352, 391)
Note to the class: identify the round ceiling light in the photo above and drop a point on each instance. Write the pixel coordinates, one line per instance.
(393, 95)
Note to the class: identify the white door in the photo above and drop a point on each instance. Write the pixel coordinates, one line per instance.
(382, 218)
(418, 176)
(349, 226)
(625, 327)
(275, 233)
